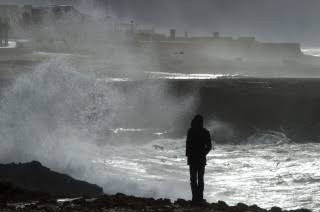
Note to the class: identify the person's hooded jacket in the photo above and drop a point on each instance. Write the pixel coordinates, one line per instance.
(198, 143)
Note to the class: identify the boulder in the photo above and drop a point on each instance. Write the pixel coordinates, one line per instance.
(275, 209)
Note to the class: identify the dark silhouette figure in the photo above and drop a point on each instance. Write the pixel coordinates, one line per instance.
(198, 145)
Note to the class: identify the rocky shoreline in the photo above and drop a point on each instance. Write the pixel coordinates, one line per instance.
(14, 199)
(32, 187)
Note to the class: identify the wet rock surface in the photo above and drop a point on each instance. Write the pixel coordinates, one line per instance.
(16, 199)
(13, 197)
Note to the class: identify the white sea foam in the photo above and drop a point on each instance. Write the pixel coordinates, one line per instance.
(312, 51)
(183, 76)
(286, 174)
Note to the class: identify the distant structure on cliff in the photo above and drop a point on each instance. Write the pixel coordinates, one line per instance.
(181, 51)
(173, 51)
(4, 32)
(216, 45)
(36, 15)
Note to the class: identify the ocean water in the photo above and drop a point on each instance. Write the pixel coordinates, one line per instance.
(119, 139)
(272, 174)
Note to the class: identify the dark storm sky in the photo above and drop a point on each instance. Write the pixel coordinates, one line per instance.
(274, 20)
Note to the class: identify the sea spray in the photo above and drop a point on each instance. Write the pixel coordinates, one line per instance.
(64, 119)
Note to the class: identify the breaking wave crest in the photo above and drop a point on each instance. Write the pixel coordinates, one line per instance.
(65, 120)
(268, 137)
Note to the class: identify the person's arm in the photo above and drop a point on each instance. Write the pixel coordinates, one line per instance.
(208, 143)
(188, 142)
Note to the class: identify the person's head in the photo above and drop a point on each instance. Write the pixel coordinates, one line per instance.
(197, 122)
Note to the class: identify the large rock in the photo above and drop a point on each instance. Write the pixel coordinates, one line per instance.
(12, 193)
(35, 177)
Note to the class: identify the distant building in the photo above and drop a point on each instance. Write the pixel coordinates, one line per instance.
(216, 35)
(4, 31)
(172, 34)
(217, 46)
(29, 14)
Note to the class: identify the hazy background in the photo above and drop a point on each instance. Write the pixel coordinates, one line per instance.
(276, 20)
(271, 20)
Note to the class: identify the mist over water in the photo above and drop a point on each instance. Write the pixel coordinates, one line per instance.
(67, 120)
(105, 115)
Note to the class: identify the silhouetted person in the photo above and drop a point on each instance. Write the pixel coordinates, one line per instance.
(198, 145)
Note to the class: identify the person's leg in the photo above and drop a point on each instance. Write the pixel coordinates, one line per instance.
(193, 182)
(201, 171)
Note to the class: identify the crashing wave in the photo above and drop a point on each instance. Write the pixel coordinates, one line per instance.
(268, 137)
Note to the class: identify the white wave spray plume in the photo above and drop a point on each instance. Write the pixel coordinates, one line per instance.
(63, 119)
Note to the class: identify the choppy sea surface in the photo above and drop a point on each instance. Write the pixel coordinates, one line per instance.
(267, 170)
(72, 123)
(286, 175)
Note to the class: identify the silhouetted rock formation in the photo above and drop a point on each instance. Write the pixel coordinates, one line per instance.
(35, 177)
